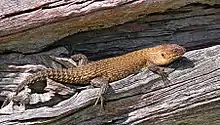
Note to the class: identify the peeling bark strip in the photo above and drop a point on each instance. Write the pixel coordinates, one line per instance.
(142, 98)
(40, 23)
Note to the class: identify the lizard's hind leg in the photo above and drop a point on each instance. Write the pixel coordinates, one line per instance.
(81, 59)
(104, 86)
(73, 61)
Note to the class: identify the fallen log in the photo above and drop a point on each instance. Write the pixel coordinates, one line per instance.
(143, 98)
(191, 98)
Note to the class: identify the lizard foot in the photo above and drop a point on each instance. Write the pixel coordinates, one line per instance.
(73, 61)
(81, 59)
(160, 71)
(104, 86)
(65, 62)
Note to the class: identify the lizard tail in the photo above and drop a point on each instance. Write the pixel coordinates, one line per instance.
(39, 76)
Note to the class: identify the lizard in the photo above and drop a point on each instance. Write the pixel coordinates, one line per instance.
(101, 73)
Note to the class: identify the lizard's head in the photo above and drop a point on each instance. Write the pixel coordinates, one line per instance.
(166, 53)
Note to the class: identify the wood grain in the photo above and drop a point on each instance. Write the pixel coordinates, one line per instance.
(191, 98)
(30, 26)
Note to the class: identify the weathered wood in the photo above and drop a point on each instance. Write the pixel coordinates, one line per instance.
(191, 98)
(144, 99)
(30, 26)
(193, 26)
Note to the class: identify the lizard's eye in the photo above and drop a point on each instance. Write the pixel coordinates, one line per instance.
(163, 55)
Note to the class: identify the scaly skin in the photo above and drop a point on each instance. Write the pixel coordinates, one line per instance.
(111, 69)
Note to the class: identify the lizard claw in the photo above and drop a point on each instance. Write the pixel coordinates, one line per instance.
(103, 84)
(6, 102)
(101, 98)
(165, 79)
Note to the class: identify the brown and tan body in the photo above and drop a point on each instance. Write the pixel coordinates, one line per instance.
(110, 69)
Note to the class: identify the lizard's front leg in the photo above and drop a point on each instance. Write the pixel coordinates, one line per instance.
(160, 71)
(104, 86)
